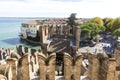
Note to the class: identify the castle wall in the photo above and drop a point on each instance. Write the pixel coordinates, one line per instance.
(13, 63)
(47, 66)
(93, 69)
(111, 69)
(23, 69)
(72, 67)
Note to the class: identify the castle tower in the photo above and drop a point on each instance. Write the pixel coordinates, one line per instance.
(77, 36)
(43, 33)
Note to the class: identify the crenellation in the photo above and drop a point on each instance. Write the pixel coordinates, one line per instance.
(72, 66)
(13, 63)
(47, 66)
(40, 66)
(111, 69)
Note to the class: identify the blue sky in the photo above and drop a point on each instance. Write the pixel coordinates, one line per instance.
(59, 8)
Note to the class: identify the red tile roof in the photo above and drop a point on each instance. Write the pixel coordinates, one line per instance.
(35, 22)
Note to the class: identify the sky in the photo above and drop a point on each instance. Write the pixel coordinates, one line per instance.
(60, 8)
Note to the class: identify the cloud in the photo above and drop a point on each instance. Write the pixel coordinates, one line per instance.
(68, 0)
(59, 8)
(11, 0)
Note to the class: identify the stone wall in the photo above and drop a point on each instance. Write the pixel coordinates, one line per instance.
(2, 77)
(77, 36)
(72, 66)
(13, 63)
(117, 57)
(103, 62)
(6, 70)
(93, 69)
(111, 69)
(23, 69)
(100, 67)
(47, 66)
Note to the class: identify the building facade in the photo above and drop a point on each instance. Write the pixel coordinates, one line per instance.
(30, 29)
(45, 30)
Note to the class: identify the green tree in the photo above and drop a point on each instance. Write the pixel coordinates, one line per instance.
(117, 33)
(71, 20)
(108, 24)
(116, 24)
(90, 30)
(97, 20)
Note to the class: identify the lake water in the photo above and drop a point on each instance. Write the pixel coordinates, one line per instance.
(10, 29)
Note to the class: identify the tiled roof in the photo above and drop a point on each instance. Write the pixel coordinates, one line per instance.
(35, 22)
(55, 21)
(52, 21)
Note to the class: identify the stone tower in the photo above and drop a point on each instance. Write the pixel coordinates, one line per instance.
(43, 33)
(77, 36)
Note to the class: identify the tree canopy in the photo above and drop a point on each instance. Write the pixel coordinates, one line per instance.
(90, 30)
(108, 23)
(71, 20)
(117, 32)
(116, 24)
(97, 20)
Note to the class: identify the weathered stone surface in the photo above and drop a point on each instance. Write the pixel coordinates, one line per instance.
(77, 36)
(117, 57)
(2, 77)
(93, 68)
(23, 69)
(111, 69)
(47, 66)
(98, 66)
(103, 65)
(6, 71)
(72, 67)
(13, 63)
(67, 66)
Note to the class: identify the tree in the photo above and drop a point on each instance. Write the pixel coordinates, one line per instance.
(97, 20)
(117, 32)
(71, 20)
(108, 24)
(116, 24)
(90, 29)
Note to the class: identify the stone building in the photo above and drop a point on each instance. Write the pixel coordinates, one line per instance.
(43, 31)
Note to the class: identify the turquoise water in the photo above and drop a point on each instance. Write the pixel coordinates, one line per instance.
(10, 29)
